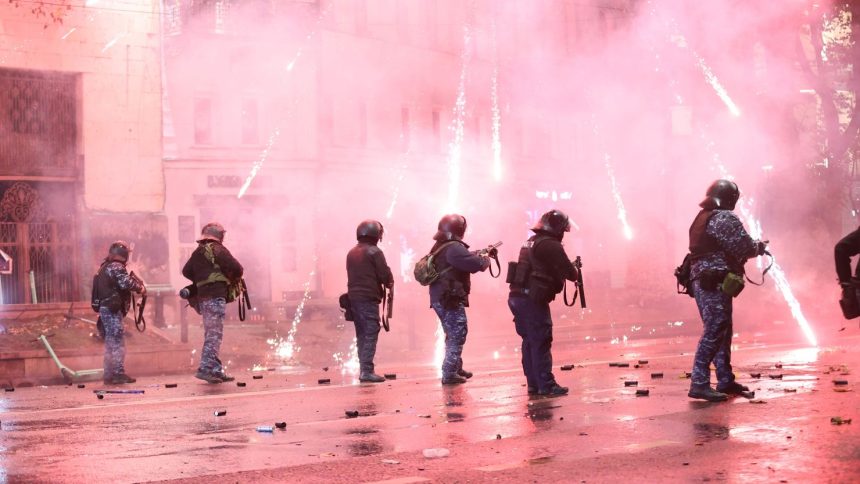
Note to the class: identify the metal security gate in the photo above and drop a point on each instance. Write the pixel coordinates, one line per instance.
(43, 264)
(38, 175)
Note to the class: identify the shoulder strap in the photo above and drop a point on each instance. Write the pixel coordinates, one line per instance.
(209, 253)
(439, 249)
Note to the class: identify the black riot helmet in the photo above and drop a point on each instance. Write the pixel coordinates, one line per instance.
(213, 231)
(451, 227)
(554, 222)
(371, 229)
(119, 251)
(722, 194)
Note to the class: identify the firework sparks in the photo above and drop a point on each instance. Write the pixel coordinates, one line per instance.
(397, 186)
(439, 350)
(259, 163)
(782, 284)
(715, 83)
(616, 191)
(285, 348)
(710, 77)
(112, 42)
(277, 131)
(350, 364)
(776, 272)
(457, 127)
(495, 112)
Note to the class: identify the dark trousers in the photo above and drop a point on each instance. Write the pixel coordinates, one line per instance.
(456, 327)
(533, 323)
(114, 360)
(213, 311)
(366, 320)
(715, 307)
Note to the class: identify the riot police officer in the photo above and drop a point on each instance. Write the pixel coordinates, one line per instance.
(541, 271)
(216, 274)
(367, 276)
(449, 294)
(112, 290)
(719, 247)
(845, 249)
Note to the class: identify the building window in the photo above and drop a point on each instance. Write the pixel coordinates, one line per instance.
(222, 7)
(173, 17)
(38, 123)
(203, 121)
(185, 229)
(437, 130)
(250, 122)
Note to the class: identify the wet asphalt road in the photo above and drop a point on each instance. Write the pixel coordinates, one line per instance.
(492, 429)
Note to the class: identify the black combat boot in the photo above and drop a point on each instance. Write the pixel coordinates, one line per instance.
(465, 374)
(453, 380)
(119, 379)
(554, 390)
(370, 378)
(208, 377)
(533, 390)
(733, 388)
(705, 392)
(223, 376)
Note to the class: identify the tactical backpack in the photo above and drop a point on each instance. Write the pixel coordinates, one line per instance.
(425, 271)
(233, 288)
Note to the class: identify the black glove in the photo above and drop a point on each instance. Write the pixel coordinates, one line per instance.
(493, 252)
(760, 247)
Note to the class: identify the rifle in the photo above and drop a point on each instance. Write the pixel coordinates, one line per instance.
(492, 252)
(580, 286)
(137, 309)
(244, 299)
(387, 307)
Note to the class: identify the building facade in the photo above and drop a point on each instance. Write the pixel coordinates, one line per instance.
(80, 146)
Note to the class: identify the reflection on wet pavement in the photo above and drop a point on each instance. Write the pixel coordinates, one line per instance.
(490, 425)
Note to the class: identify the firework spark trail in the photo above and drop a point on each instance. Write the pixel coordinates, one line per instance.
(455, 146)
(259, 163)
(710, 77)
(715, 83)
(276, 133)
(782, 284)
(616, 191)
(495, 112)
(286, 348)
(439, 350)
(776, 272)
(454, 155)
(399, 183)
(390, 211)
(112, 42)
(350, 364)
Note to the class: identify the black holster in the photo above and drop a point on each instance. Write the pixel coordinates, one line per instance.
(453, 297)
(850, 302)
(711, 280)
(345, 304)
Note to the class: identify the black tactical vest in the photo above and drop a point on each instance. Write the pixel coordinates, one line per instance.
(701, 243)
(534, 274)
(453, 278)
(107, 294)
